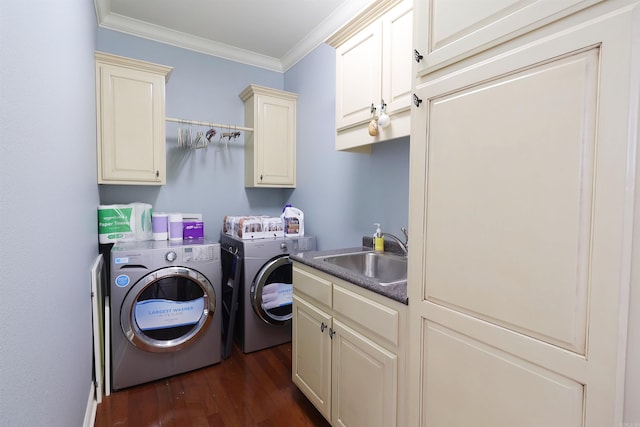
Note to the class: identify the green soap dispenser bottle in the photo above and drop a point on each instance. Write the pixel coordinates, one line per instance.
(378, 240)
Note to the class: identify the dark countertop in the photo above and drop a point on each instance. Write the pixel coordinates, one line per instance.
(396, 292)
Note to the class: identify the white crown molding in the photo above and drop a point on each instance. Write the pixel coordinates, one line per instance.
(320, 34)
(102, 9)
(145, 30)
(333, 23)
(373, 11)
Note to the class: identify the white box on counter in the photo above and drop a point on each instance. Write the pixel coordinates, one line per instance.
(273, 226)
(253, 227)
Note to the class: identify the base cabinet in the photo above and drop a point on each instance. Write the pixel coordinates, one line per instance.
(364, 380)
(352, 374)
(312, 354)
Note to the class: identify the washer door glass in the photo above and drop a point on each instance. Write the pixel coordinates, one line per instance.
(168, 309)
(272, 291)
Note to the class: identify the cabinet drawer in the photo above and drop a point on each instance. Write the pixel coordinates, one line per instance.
(376, 317)
(312, 285)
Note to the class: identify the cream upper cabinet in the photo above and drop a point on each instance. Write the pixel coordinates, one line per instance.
(522, 220)
(373, 66)
(358, 77)
(130, 97)
(270, 150)
(348, 350)
(447, 31)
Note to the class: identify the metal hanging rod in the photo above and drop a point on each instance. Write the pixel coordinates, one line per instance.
(213, 125)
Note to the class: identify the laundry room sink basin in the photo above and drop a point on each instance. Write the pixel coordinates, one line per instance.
(384, 268)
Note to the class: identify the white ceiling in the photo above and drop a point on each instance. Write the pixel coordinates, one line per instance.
(271, 34)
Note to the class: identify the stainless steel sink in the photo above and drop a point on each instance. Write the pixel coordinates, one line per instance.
(384, 268)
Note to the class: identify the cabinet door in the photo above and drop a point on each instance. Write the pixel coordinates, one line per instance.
(364, 380)
(521, 253)
(131, 128)
(311, 359)
(358, 74)
(397, 25)
(270, 150)
(447, 31)
(275, 149)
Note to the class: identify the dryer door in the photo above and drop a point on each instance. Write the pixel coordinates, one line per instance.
(168, 309)
(272, 291)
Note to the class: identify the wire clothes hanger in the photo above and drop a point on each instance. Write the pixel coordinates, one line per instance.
(202, 139)
(208, 124)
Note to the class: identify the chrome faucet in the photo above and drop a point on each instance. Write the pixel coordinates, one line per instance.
(403, 245)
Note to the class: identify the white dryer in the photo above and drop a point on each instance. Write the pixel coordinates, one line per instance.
(165, 309)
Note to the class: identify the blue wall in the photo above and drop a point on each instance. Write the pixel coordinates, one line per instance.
(48, 197)
(48, 190)
(341, 194)
(202, 88)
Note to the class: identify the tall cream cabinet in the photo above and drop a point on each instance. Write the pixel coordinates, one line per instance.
(270, 150)
(373, 71)
(130, 97)
(524, 197)
(448, 31)
(348, 350)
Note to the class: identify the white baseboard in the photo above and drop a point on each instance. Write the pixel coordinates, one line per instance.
(92, 407)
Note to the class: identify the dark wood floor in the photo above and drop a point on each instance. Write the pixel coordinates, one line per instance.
(252, 389)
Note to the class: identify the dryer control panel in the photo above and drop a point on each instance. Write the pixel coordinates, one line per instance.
(301, 244)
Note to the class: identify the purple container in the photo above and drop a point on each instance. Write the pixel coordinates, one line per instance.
(175, 227)
(193, 230)
(160, 226)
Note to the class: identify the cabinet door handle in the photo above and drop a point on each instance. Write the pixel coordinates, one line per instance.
(417, 56)
(417, 101)
(260, 177)
(373, 108)
(331, 333)
(323, 326)
(157, 174)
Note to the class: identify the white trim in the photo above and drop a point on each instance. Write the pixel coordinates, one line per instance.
(112, 21)
(374, 10)
(107, 346)
(187, 41)
(326, 29)
(92, 407)
(98, 325)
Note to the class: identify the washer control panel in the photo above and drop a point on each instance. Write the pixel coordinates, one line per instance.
(197, 253)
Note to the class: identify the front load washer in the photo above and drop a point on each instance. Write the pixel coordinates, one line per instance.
(165, 315)
(263, 316)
